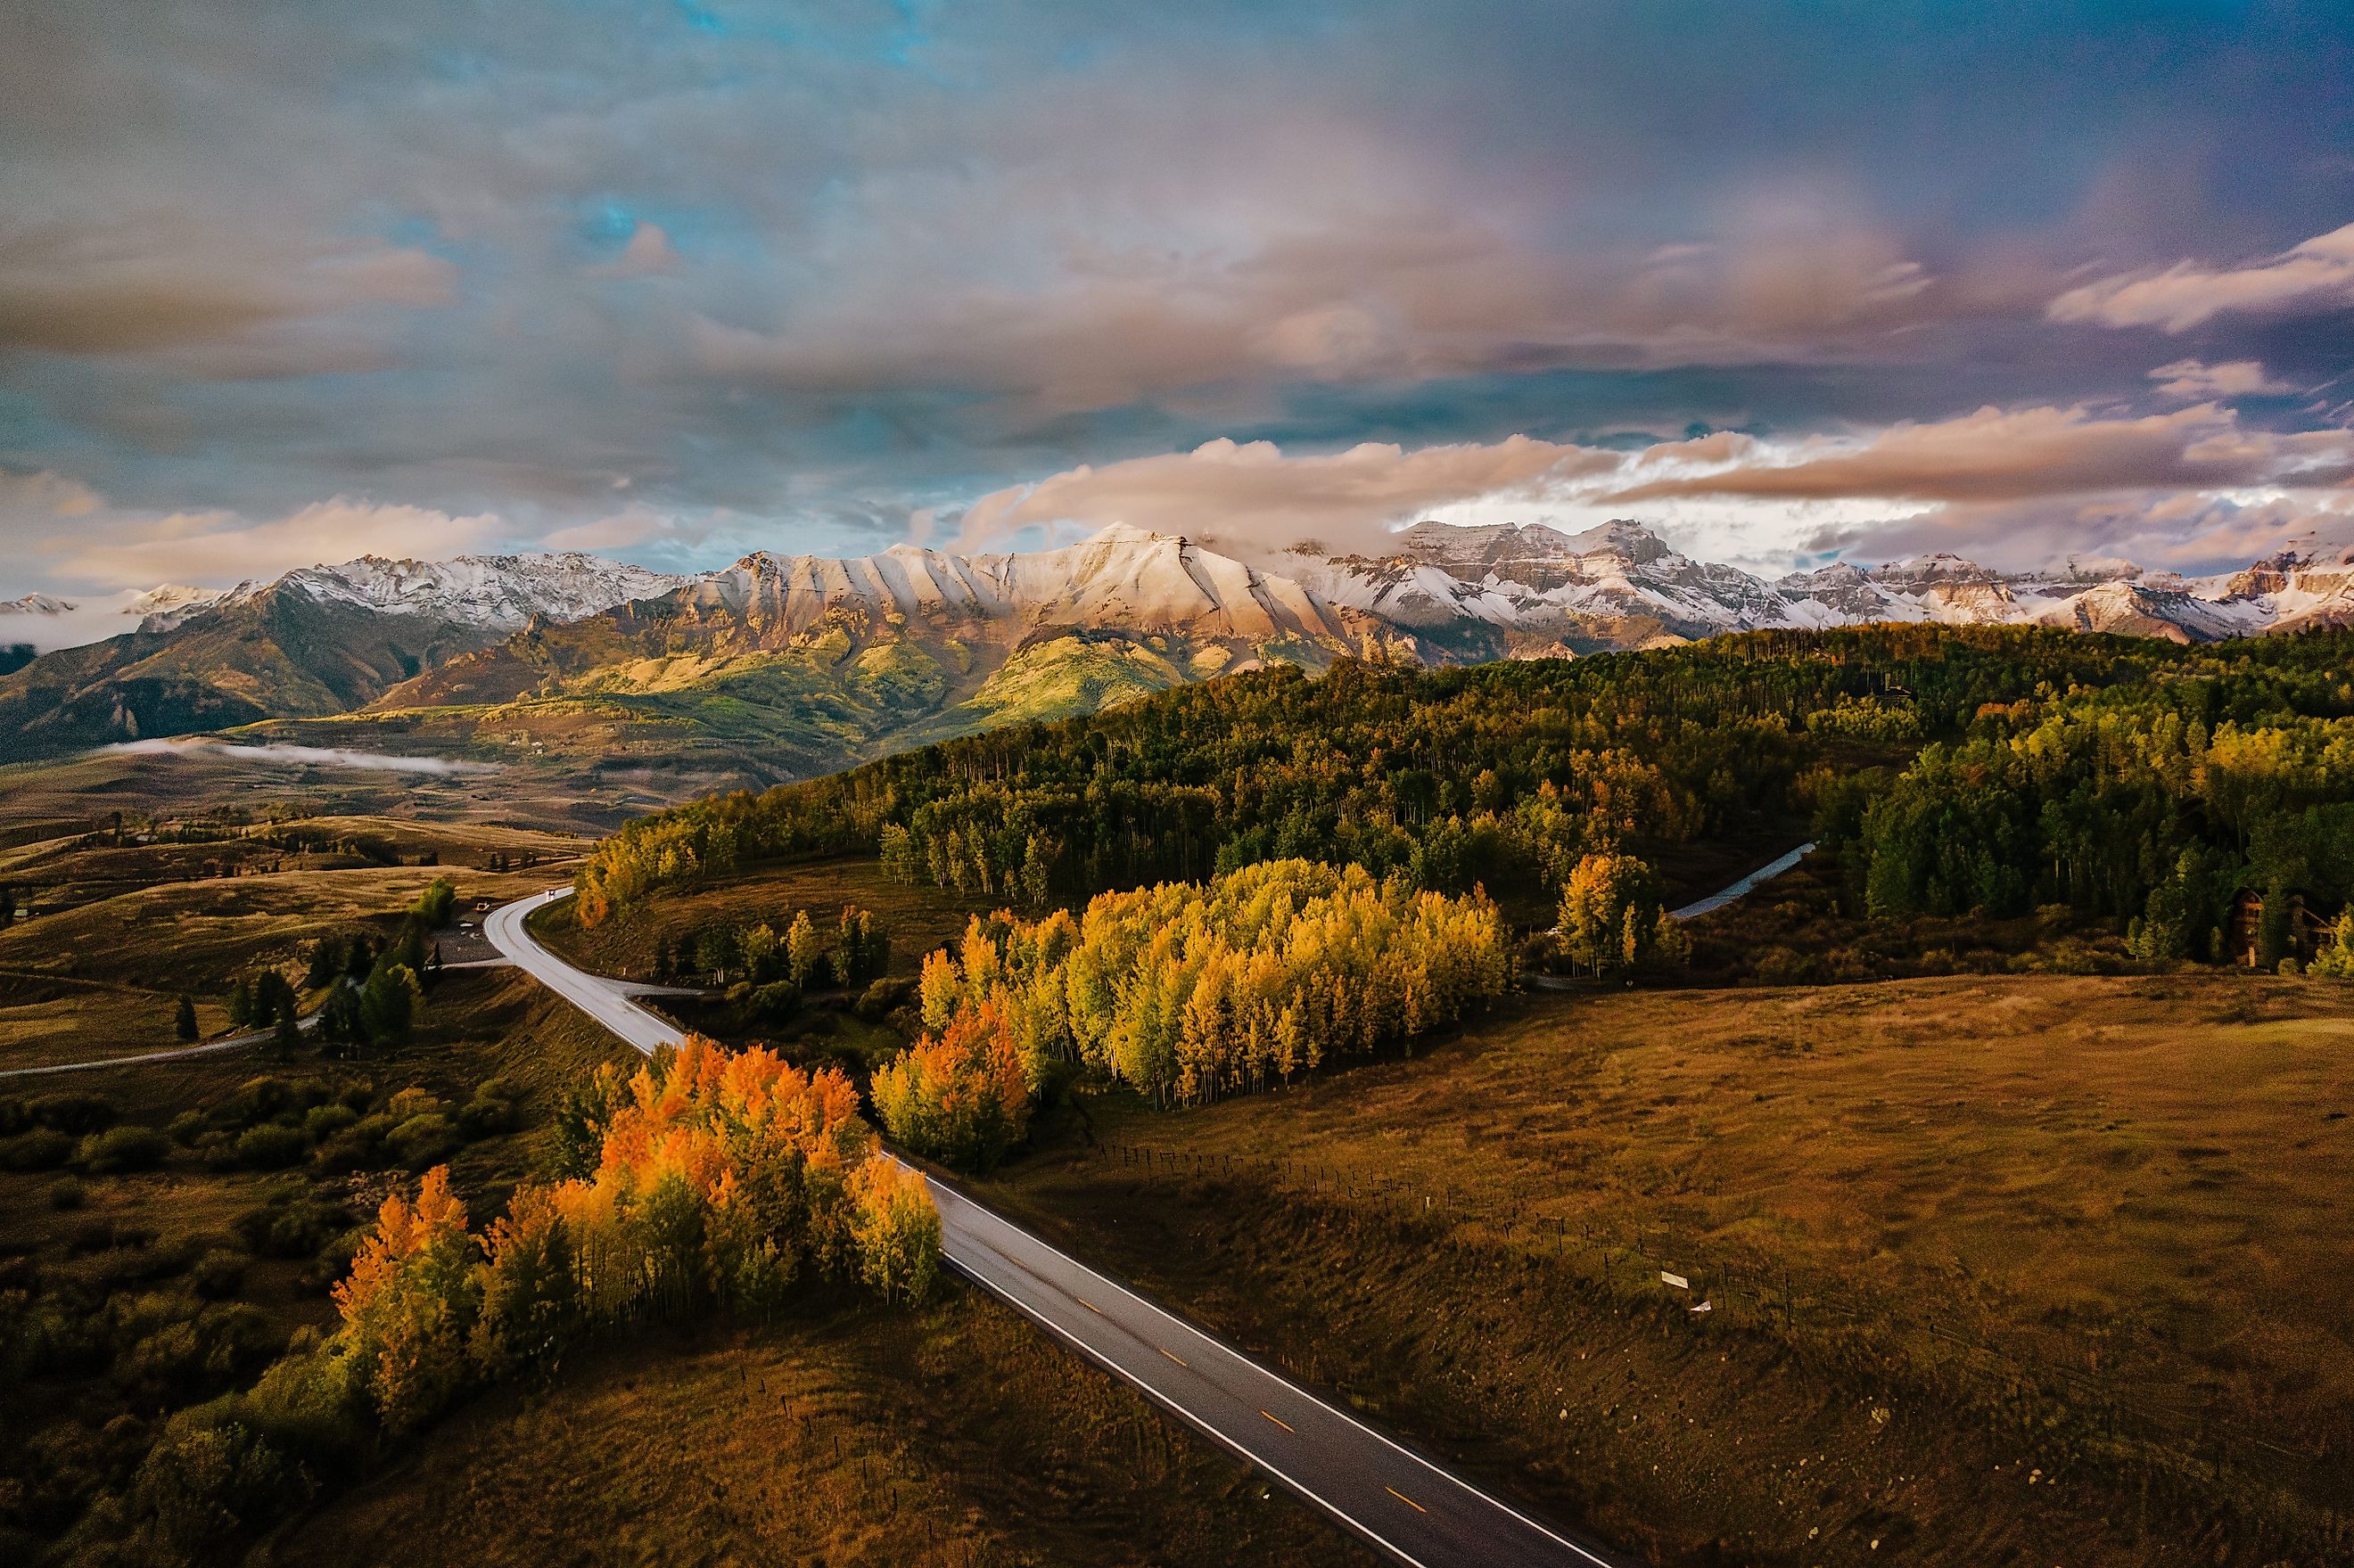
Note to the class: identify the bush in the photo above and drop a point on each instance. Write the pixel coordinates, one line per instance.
(126, 1148)
(884, 998)
(186, 1127)
(74, 1113)
(359, 1146)
(485, 1114)
(413, 1102)
(66, 1192)
(216, 1274)
(325, 1121)
(43, 1149)
(773, 1002)
(201, 1487)
(271, 1146)
(422, 1140)
(293, 1224)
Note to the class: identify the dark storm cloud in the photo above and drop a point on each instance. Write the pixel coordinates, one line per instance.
(677, 280)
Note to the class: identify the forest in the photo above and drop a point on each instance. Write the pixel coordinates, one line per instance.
(2152, 803)
(706, 1181)
(1964, 769)
(1185, 993)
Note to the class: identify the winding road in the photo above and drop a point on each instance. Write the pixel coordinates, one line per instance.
(1406, 1505)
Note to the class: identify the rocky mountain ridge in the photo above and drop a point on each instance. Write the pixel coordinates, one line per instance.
(780, 665)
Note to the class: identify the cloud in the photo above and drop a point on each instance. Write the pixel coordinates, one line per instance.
(218, 548)
(300, 755)
(2317, 275)
(2196, 383)
(162, 284)
(648, 252)
(1252, 498)
(1995, 456)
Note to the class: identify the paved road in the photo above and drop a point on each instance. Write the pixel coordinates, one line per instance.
(1764, 874)
(234, 1043)
(1403, 1503)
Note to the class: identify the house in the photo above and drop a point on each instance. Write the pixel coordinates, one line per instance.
(2243, 930)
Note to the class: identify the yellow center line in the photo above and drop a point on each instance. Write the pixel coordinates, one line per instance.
(1180, 1361)
(1405, 1499)
(1089, 1304)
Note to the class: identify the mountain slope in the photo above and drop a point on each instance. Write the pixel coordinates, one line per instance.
(322, 641)
(780, 667)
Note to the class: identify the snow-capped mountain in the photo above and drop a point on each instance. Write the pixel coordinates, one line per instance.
(1621, 585)
(36, 604)
(166, 605)
(490, 593)
(912, 644)
(1121, 578)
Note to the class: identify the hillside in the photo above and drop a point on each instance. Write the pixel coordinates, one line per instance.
(325, 639)
(786, 667)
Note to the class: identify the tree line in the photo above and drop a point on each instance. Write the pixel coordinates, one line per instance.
(1499, 774)
(1184, 991)
(2154, 803)
(702, 1182)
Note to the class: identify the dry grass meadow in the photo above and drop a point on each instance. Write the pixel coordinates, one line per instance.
(2017, 1269)
(920, 917)
(953, 1437)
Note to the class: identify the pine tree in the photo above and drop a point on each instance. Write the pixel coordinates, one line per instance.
(183, 1019)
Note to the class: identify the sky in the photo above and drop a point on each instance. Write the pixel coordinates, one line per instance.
(290, 282)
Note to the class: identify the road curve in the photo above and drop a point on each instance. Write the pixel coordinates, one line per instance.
(1763, 875)
(1401, 1502)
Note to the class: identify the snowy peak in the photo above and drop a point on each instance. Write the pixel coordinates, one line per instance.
(1120, 578)
(36, 604)
(486, 593)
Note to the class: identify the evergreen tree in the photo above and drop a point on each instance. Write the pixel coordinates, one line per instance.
(183, 1019)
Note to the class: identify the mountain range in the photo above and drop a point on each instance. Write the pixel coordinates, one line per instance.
(656, 685)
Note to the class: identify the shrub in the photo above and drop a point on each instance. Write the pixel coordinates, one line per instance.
(43, 1149)
(74, 1113)
(271, 1146)
(293, 1224)
(216, 1274)
(422, 1140)
(126, 1148)
(359, 1146)
(773, 1002)
(200, 1487)
(324, 1122)
(884, 998)
(485, 1114)
(412, 1102)
(186, 1127)
(66, 1192)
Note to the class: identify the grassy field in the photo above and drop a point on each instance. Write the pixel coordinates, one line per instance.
(119, 931)
(133, 1284)
(955, 1437)
(920, 917)
(2020, 1269)
(86, 789)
